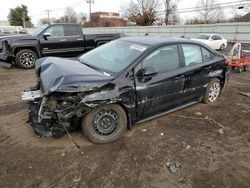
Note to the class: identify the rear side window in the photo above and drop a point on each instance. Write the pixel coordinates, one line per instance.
(70, 30)
(207, 56)
(192, 54)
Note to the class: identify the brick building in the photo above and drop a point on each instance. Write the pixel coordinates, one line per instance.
(106, 19)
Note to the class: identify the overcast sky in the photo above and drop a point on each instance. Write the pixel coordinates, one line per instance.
(36, 7)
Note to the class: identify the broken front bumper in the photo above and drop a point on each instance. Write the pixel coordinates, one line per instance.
(5, 60)
(42, 127)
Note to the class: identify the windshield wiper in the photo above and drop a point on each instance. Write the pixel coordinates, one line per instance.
(91, 66)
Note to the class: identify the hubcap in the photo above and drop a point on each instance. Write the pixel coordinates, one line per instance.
(214, 92)
(27, 59)
(105, 122)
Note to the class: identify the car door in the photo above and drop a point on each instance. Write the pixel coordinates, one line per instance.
(74, 39)
(54, 44)
(219, 41)
(213, 42)
(198, 65)
(156, 90)
(216, 41)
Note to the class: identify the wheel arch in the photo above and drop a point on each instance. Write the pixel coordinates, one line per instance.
(33, 48)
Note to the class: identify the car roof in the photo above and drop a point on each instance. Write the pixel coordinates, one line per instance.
(209, 34)
(153, 41)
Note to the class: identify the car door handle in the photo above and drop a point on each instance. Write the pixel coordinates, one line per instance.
(179, 77)
(80, 39)
(62, 40)
(208, 68)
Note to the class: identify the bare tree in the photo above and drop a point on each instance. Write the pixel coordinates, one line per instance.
(70, 16)
(207, 10)
(170, 8)
(142, 12)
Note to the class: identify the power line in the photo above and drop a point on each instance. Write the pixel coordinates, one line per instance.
(58, 9)
(218, 4)
(214, 7)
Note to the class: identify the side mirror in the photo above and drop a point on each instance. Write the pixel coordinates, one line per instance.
(149, 72)
(46, 35)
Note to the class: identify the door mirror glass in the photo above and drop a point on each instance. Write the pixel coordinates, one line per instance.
(46, 35)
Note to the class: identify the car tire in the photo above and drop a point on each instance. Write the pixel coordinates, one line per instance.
(245, 68)
(212, 91)
(222, 47)
(105, 124)
(239, 69)
(25, 59)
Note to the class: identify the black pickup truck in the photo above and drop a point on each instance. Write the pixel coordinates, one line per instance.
(49, 40)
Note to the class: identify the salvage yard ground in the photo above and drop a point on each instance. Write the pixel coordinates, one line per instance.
(211, 142)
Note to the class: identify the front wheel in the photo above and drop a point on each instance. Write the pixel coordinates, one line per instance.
(212, 91)
(105, 124)
(25, 59)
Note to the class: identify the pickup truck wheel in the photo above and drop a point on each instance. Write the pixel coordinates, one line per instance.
(105, 124)
(212, 91)
(25, 59)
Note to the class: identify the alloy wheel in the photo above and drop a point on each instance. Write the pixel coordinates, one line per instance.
(214, 92)
(27, 59)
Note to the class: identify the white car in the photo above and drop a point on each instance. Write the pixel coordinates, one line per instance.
(215, 41)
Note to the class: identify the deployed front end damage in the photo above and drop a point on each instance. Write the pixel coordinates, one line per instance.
(49, 114)
(61, 104)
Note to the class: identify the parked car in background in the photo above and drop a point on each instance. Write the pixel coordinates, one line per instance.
(121, 83)
(49, 40)
(215, 41)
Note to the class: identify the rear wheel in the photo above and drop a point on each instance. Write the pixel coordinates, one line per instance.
(222, 47)
(25, 59)
(212, 91)
(105, 124)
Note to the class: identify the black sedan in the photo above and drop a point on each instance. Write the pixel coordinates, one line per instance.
(121, 83)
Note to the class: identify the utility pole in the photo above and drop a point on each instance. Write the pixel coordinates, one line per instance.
(90, 2)
(23, 18)
(48, 11)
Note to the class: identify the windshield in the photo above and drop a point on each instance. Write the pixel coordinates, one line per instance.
(38, 30)
(114, 56)
(204, 37)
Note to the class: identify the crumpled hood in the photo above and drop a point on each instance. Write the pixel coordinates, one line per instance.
(17, 37)
(64, 75)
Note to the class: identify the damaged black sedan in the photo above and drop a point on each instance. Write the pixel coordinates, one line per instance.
(121, 83)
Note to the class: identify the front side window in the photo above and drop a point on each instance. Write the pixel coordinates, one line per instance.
(218, 37)
(55, 31)
(192, 54)
(163, 59)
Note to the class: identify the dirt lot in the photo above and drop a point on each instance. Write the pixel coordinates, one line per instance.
(208, 156)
